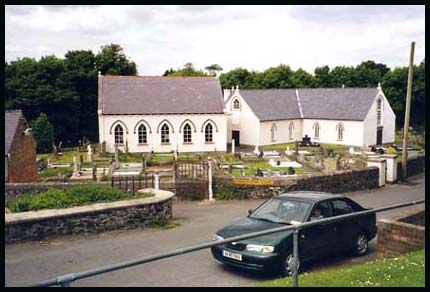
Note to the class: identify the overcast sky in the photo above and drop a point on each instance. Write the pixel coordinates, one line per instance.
(253, 37)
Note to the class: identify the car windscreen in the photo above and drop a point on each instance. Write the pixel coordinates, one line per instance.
(282, 211)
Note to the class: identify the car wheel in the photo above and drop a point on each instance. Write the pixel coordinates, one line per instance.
(361, 244)
(287, 268)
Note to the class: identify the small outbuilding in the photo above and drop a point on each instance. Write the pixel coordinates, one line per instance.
(20, 149)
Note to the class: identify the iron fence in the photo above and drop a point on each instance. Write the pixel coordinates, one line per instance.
(133, 183)
(65, 280)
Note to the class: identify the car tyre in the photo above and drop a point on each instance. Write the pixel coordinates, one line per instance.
(287, 269)
(361, 244)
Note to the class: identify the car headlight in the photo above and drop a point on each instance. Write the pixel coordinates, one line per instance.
(217, 238)
(260, 248)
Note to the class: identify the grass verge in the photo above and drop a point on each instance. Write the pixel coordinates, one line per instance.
(404, 271)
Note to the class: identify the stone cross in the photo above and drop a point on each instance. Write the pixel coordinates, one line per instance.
(156, 181)
(232, 146)
(210, 181)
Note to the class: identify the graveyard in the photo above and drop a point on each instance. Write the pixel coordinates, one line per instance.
(292, 159)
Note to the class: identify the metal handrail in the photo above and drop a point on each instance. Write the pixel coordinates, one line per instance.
(64, 280)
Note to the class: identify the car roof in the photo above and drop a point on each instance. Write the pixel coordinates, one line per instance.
(309, 196)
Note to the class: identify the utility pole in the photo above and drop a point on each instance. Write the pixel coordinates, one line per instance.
(407, 113)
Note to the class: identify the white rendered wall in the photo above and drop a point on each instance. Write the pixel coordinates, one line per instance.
(198, 143)
(352, 134)
(282, 132)
(388, 123)
(243, 120)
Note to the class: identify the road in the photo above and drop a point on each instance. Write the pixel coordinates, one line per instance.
(30, 262)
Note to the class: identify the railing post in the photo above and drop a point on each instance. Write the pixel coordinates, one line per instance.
(296, 257)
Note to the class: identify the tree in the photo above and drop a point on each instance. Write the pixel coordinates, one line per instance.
(322, 76)
(302, 79)
(43, 133)
(81, 71)
(112, 61)
(276, 77)
(187, 71)
(213, 69)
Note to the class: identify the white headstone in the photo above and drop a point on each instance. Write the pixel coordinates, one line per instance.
(351, 150)
(232, 146)
(256, 151)
(75, 165)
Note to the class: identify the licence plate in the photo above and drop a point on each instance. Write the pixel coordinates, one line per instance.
(235, 256)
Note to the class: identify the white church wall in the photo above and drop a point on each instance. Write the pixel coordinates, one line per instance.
(153, 125)
(328, 134)
(242, 120)
(282, 133)
(388, 123)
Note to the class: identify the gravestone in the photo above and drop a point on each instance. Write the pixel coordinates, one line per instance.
(116, 157)
(75, 165)
(89, 154)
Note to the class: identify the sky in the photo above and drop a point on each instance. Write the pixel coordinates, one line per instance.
(252, 37)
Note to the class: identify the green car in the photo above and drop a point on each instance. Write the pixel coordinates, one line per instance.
(274, 252)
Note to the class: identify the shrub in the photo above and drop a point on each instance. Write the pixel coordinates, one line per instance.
(90, 193)
(51, 198)
(43, 133)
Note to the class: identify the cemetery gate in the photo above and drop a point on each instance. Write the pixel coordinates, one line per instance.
(191, 180)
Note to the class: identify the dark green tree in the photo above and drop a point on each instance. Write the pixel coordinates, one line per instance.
(187, 71)
(111, 60)
(213, 69)
(43, 133)
(322, 76)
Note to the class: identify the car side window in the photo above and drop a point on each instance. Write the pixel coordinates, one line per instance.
(321, 211)
(341, 207)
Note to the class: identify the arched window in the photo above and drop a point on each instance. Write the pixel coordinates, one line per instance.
(187, 133)
(209, 133)
(379, 112)
(291, 131)
(340, 130)
(317, 129)
(119, 135)
(142, 134)
(165, 134)
(273, 132)
(236, 104)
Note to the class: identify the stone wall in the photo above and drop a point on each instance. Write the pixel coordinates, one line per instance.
(414, 166)
(91, 218)
(337, 182)
(406, 232)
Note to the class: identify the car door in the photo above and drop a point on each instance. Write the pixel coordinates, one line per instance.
(347, 228)
(318, 240)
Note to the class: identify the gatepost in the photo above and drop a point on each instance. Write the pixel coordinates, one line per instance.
(379, 163)
(391, 167)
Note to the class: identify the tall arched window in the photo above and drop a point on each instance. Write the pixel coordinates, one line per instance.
(317, 129)
(187, 133)
(379, 112)
(340, 130)
(143, 138)
(236, 104)
(165, 134)
(209, 133)
(273, 132)
(291, 131)
(119, 135)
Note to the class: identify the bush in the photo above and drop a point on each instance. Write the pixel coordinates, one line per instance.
(43, 133)
(69, 197)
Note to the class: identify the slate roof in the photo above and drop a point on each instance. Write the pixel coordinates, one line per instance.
(314, 103)
(337, 103)
(11, 120)
(159, 95)
(272, 104)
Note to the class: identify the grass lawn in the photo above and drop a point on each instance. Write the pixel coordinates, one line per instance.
(404, 271)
